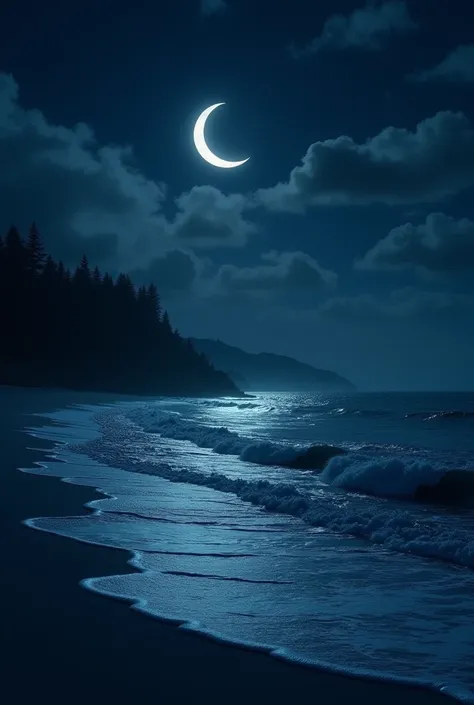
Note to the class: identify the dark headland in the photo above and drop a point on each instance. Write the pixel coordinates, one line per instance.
(269, 372)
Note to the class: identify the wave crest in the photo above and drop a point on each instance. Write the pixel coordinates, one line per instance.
(225, 442)
(383, 477)
(403, 479)
(218, 403)
(394, 528)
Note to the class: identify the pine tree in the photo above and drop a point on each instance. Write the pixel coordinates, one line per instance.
(50, 270)
(35, 255)
(166, 325)
(125, 285)
(84, 264)
(89, 331)
(141, 296)
(15, 252)
(61, 271)
(96, 276)
(82, 274)
(107, 281)
(154, 301)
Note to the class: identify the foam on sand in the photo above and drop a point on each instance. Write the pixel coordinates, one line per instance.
(158, 515)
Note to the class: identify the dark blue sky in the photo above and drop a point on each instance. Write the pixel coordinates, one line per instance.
(233, 261)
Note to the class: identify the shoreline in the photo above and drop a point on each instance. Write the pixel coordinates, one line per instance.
(101, 649)
(125, 395)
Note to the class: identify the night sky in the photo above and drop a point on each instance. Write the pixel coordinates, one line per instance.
(346, 241)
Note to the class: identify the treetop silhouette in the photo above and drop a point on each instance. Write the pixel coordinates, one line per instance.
(89, 331)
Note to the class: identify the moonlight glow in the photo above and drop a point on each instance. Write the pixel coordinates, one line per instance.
(201, 146)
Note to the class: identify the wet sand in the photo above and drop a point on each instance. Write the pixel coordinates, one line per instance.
(62, 644)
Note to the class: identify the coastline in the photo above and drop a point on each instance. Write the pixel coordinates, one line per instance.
(64, 643)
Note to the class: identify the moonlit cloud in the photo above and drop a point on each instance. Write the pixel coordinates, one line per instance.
(285, 275)
(441, 244)
(85, 196)
(370, 27)
(396, 167)
(88, 197)
(208, 218)
(456, 67)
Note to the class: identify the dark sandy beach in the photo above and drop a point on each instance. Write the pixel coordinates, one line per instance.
(64, 644)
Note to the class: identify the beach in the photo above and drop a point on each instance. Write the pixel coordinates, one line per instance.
(64, 644)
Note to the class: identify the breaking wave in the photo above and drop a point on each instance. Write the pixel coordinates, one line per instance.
(225, 442)
(403, 479)
(217, 403)
(394, 528)
(381, 476)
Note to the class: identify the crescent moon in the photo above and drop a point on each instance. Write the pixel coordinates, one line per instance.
(201, 145)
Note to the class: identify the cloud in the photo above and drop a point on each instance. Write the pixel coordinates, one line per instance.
(407, 303)
(84, 196)
(370, 27)
(174, 272)
(441, 244)
(211, 7)
(396, 166)
(456, 67)
(209, 218)
(88, 197)
(283, 275)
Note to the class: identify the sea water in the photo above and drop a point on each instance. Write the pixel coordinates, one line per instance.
(339, 568)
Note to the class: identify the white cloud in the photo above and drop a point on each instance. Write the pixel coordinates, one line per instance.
(441, 244)
(88, 197)
(208, 218)
(397, 166)
(282, 275)
(369, 27)
(83, 195)
(456, 67)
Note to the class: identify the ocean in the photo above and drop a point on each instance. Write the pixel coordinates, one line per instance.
(340, 568)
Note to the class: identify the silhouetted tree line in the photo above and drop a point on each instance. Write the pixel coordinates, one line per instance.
(85, 330)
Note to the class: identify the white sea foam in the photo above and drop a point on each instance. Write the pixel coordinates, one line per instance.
(393, 526)
(218, 438)
(383, 476)
(185, 533)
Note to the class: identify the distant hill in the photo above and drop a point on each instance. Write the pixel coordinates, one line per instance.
(268, 372)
